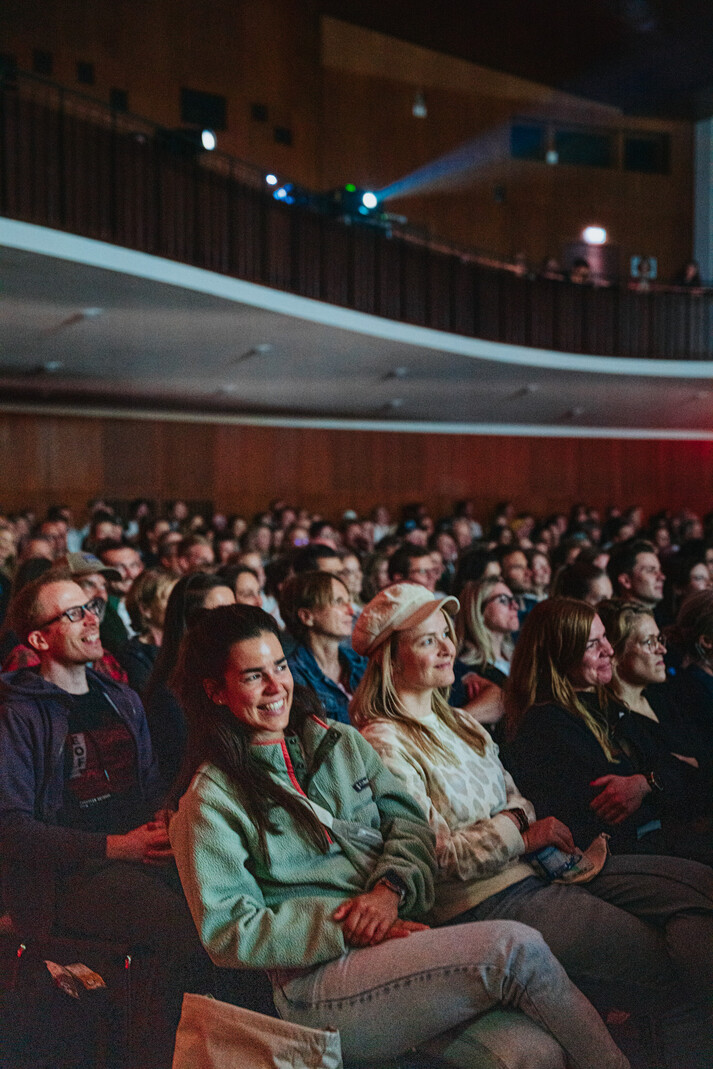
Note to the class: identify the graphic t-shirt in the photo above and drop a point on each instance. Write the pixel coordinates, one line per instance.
(101, 775)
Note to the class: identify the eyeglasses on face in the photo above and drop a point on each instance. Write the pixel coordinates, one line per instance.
(77, 612)
(653, 643)
(502, 599)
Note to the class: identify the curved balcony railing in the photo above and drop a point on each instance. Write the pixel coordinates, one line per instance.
(71, 163)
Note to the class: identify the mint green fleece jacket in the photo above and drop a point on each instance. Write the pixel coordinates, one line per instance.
(279, 914)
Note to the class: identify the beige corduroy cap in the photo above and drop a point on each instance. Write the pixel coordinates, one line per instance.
(396, 608)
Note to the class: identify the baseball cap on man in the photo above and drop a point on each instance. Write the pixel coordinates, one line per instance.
(396, 608)
(87, 564)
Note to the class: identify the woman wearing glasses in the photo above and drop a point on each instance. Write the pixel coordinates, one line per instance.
(485, 623)
(625, 935)
(575, 744)
(658, 737)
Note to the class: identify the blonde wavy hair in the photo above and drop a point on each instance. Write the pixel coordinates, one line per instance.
(377, 698)
(550, 647)
(474, 641)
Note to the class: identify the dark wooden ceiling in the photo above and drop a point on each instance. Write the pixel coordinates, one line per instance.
(651, 57)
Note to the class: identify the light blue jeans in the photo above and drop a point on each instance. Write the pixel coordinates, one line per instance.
(401, 994)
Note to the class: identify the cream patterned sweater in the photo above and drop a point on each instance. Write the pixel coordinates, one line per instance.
(478, 848)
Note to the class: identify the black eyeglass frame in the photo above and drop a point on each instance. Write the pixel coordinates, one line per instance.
(94, 605)
(503, 599)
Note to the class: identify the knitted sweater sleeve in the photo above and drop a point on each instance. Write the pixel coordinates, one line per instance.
(464, 850)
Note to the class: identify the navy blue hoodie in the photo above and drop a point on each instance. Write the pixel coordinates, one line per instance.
(33, 732)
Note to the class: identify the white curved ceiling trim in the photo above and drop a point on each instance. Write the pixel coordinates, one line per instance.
(55, 243)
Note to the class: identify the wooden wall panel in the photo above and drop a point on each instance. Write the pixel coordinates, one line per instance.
(51, 458)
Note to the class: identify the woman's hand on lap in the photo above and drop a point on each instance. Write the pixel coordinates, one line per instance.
(403, 928)
(548, 832)
(367, 919)
(620, 796)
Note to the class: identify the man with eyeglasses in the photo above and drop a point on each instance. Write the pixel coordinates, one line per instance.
(91, 575)
(79, 848)
(413, 564)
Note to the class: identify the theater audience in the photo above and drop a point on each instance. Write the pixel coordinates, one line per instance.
(564, 746)
(165, 717)
(80, 849)
(606, 933)
(194, 554)
(584, 581)
(659, 737)
(244, 583)
(317, 611)
(317, 558)
(376, 574)
(686, 573)
(485, 624)
(91, 575)
(692, 685)
(124, 559)
(331, 906)
(146, 603)
(635, 572)
(412, 563)
(594, 756)
(541, 572)
(353, 577)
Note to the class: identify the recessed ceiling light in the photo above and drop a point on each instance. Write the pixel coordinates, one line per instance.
(52, 366)
(92, 313)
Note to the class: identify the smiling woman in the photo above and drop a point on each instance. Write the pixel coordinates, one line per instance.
(595, 755)
(301, 854)
(316, 607)
(257, 687)
(487, 833)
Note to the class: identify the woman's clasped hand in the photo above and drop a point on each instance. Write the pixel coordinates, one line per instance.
(370, 918)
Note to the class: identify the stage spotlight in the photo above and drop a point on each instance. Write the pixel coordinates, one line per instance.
(369, 200)
(271, 179)
(595, 235)
(208, 140)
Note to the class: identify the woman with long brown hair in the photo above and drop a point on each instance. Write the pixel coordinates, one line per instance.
(606, 933)
(566, 746)
(301, 854)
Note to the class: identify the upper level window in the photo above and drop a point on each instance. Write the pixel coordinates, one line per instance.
(207, 110)
(85, 72)
(649, 154)
(528, 141)
(282, 135)
(119, 99)
(584, 147)
(42, 62)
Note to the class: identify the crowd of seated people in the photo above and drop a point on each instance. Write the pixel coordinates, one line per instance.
(533, 684)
